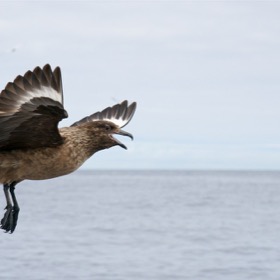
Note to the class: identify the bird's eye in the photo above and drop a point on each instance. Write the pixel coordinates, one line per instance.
(107, 127)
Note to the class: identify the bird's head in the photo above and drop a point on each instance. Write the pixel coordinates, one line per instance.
(103, 126)
(104, 131)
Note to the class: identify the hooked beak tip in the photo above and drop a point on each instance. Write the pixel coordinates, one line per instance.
(123, 133)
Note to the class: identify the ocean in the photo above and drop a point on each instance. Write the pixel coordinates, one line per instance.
(146, 225)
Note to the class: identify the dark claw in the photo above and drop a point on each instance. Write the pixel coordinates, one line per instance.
(9, 221)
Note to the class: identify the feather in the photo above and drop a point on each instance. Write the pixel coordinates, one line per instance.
(119, 114)
(30, 109)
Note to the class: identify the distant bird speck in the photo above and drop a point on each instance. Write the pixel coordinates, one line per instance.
(32, 146)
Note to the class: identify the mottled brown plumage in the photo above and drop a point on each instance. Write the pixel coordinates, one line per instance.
(31, 145)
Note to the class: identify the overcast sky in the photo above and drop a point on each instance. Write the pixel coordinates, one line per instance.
(205, 74)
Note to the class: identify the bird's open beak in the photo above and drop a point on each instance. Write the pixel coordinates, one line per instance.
(123, 133)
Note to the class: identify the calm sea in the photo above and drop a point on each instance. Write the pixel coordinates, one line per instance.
(148, 225)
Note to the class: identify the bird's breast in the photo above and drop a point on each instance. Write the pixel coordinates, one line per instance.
(40, 163)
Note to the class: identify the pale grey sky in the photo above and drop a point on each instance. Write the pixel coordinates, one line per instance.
(205, 74)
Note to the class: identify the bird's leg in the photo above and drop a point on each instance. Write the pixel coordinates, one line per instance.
(7, 219)
(10, 218)
(15, 207)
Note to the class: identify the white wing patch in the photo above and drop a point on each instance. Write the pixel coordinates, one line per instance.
(40, 87)
(119, 122)
(119, 114)
(44, 91)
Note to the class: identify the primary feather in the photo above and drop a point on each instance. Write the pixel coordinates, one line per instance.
(119, 114)
(30, 109)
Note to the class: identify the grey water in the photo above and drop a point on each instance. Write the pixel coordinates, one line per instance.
(132, 225)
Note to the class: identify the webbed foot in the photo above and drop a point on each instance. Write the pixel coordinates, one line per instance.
(9, 221)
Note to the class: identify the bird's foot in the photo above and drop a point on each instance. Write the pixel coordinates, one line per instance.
(9, 221)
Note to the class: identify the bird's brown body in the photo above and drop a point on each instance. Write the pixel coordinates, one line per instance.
(46, 162)
(79, 144)
(31, 145)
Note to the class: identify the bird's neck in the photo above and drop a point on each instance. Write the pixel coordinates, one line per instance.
(81, 142)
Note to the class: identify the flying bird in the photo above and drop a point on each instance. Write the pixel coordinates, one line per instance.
(32, 147)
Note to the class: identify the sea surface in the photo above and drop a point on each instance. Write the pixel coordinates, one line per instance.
(148, 225)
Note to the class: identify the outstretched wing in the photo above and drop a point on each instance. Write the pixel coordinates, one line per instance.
(120, 114)
(30, 109)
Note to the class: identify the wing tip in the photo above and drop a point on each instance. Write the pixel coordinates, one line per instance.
(120, 114)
